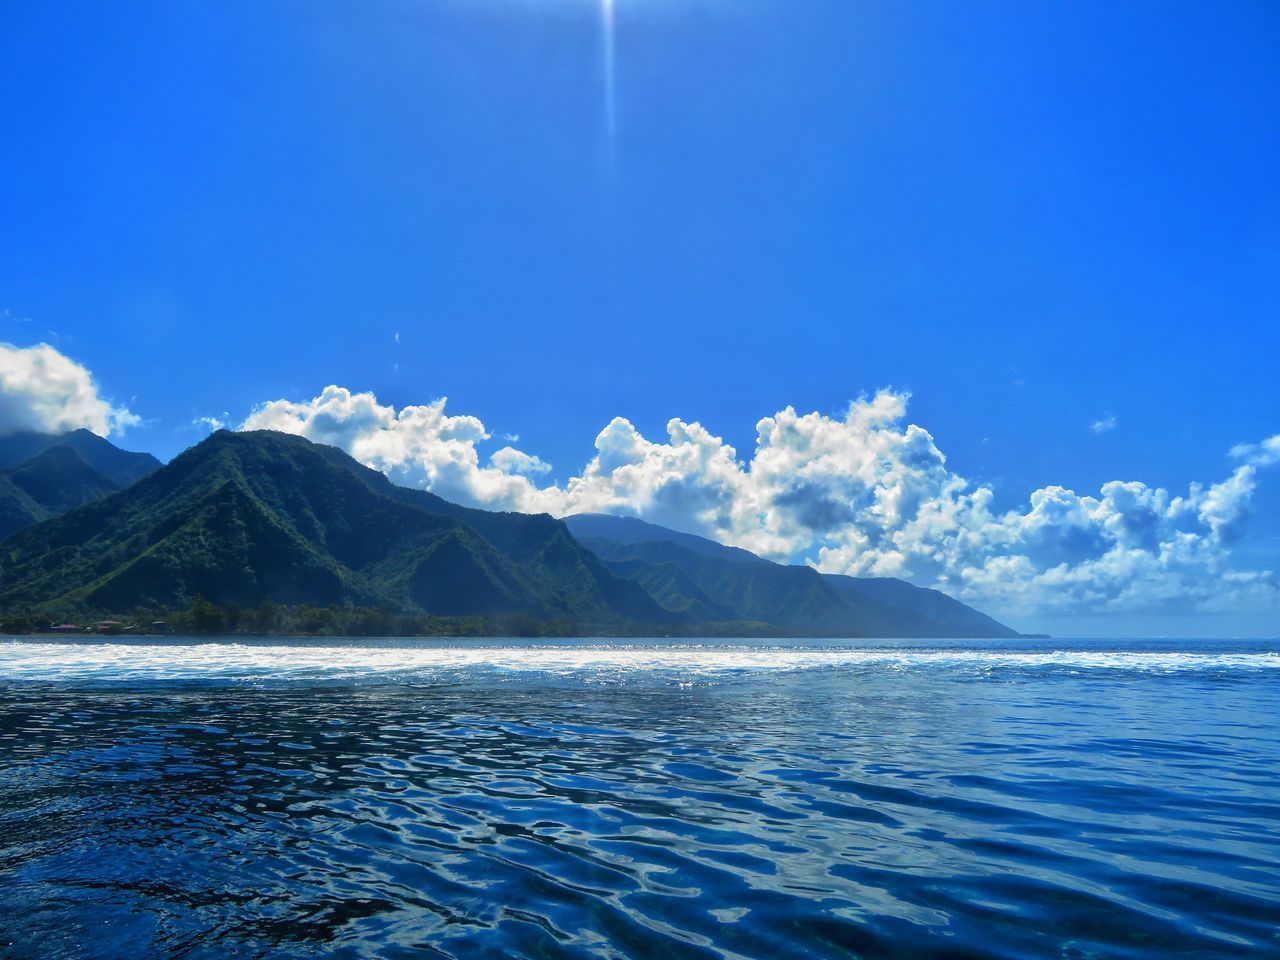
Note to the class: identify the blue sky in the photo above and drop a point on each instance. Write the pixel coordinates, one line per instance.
(1034, 218)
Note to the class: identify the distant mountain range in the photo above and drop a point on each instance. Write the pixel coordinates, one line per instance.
(246, 517)
(709, 581)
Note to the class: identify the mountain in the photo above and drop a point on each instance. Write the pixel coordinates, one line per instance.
(243, 517)
(631, 530)
(120, 466)
(45, 474)
(50, 483)
(945, 616)
(708, 581)
(17, 509)
(246, 517)
(60, 479)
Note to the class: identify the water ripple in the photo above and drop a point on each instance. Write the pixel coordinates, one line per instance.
(828, 803)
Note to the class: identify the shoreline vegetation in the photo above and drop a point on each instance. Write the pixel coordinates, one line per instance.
(270, 619)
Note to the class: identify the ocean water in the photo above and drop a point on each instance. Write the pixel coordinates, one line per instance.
(592, 799)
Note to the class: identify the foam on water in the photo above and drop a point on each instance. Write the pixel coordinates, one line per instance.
(247, 662)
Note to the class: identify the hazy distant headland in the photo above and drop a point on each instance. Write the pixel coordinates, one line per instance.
(268, 533)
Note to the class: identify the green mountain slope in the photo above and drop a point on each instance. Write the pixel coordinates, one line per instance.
(631, 530)
(710, 582)
(45, 474)
(17, 509)
(60, 479)
(244, 517)
(945, 616)
(50, 483)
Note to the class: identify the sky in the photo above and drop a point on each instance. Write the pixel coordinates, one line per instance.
(981, 295)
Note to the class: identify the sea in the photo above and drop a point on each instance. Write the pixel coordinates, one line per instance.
(667, 799)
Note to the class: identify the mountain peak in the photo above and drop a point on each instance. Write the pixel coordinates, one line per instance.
(245, 517)
(122, 466)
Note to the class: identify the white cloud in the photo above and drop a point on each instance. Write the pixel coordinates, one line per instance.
(419, 446)
(1105, 425)
(211, 424)
(1261, 454)
(510, 460)
(864, 493)
(45, 391)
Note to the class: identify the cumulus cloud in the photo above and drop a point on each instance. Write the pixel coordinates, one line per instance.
(511, 460)
(862, 493)
(419, 446)
(1105, 425)
(45, 391)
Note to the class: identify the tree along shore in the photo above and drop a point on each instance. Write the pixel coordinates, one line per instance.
(203, 618)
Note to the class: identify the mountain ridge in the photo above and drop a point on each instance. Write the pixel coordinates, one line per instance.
(122, 466)
(251, 518)
(796, 597)
(43, 475)
(247, 517)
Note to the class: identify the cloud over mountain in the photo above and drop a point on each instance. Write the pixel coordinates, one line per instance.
(45, 391)
(866, 493)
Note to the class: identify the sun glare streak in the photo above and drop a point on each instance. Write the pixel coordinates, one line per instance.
(607, 65)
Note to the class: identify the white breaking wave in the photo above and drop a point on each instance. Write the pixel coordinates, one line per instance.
(249, 662)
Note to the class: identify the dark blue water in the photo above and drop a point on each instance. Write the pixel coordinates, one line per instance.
(410, 800)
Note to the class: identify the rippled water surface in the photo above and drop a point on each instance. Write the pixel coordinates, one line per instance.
(574, 799)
